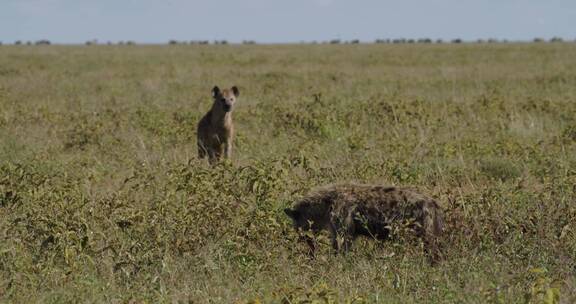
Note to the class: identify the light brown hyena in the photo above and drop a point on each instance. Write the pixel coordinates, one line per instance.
(215, 129)
(350, 210)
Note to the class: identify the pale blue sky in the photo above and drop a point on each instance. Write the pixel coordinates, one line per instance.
(76, 21)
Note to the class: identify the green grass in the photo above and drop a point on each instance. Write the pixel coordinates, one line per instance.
(102, 198)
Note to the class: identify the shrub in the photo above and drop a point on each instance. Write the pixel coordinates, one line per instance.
(556, 39)
(499, 169)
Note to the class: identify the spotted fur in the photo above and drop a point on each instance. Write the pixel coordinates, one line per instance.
(350, 210)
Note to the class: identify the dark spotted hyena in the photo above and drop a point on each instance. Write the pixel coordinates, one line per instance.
(350, 210)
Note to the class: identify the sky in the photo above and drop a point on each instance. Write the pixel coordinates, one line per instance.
(283, 21)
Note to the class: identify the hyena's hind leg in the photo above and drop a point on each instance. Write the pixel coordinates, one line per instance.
(311, 242)
(216, 152)
(433, 226)
(202, 151)
(214, 156)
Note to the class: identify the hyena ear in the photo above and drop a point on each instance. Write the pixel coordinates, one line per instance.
(215, 91)
(235, 91)
(291, 213)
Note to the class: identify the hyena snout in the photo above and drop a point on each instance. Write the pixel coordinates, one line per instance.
(226, 98)
(227, 106)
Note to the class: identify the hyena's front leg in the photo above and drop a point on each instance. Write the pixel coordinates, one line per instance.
(213, 156)
(342, 232)
(311, 246)
(228, 149)
(432, 248)
(334, 237)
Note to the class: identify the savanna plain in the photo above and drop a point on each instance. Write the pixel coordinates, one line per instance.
(103, 199)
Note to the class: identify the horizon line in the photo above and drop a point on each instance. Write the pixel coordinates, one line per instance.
(44, 41)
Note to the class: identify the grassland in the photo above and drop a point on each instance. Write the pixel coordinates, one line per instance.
(102, 198)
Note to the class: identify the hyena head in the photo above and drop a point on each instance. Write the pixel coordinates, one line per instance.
(303, 221)
(303, 217)
(225, 99)
(297, 218)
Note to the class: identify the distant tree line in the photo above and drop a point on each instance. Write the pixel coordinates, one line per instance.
(191, 42)
(420, 41)
(37, 42)
(332, 41)
(194, 42)
(458, 40)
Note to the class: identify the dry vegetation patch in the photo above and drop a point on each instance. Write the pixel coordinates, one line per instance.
(102, 198)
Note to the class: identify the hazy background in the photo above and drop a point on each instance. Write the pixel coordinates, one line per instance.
(75, 21)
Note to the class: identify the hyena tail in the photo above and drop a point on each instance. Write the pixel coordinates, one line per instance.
(433, 228)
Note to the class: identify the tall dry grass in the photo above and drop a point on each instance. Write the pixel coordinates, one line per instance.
(102, 198)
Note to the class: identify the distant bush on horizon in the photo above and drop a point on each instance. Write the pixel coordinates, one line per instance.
(42, 42)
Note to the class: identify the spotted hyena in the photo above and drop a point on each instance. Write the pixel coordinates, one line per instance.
(215, 129)
(350, 210)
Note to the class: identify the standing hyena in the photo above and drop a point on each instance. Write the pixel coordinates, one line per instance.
(350, 210)
(215, 129)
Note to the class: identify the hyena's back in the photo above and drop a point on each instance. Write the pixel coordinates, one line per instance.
(350, 210)
(374, 206)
